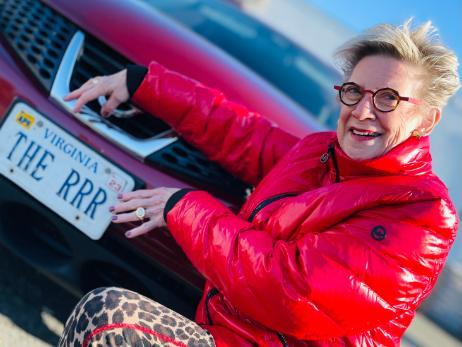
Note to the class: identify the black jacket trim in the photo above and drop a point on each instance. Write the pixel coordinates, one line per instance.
(135, 75)
(171, 202)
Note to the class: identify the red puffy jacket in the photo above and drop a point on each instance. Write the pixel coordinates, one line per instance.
(327, 251)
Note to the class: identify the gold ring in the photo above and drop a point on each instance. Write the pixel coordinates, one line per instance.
(140, 212)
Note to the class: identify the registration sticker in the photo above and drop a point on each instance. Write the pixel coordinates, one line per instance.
(59, 170)
(25, 120)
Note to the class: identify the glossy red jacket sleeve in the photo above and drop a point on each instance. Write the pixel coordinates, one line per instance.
(243, 142)
(336, 283)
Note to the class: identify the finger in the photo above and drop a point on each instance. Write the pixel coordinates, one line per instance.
(87, 96)
(133, 204)
(73, 95)
(155, 212)
(77, 92)
(125, 217)
(130, 205)
(110, 105)
(137, 194)
(143, 228)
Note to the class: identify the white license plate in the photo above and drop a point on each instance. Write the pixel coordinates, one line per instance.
(61, 172)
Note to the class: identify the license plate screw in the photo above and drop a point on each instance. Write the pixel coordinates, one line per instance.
(39, 124)
(107, 170)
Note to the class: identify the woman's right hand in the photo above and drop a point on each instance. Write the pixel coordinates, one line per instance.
(114, 87)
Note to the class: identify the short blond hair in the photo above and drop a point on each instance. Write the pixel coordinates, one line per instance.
(420, 47)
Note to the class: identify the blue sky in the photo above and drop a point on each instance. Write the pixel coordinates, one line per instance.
(358, 15)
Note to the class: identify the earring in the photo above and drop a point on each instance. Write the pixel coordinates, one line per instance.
(417, 134)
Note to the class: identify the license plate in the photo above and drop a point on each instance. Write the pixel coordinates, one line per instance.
(59, 170)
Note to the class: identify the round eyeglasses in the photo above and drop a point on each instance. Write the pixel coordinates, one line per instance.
(383, 99)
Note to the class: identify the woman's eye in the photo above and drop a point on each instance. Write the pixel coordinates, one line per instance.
(389, 96)
(353, 90)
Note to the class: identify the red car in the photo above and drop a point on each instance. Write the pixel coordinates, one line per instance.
(61, 171)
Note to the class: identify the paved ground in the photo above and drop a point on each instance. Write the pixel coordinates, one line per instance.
(32, 308)
(33, 311)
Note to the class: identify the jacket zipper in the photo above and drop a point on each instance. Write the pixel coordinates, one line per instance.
(331, 152)
(257, 209)
(266, 202)
(283, 340)
(214, 291)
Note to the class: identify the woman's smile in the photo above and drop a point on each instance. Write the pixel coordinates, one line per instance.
(359, 134)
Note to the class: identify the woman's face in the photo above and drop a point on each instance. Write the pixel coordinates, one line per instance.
(365, 132)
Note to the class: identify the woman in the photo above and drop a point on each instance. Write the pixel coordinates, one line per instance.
(345, 233)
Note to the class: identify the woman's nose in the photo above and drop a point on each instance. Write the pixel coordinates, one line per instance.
(364, 109)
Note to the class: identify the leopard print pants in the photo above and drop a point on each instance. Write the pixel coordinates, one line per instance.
(119, 317)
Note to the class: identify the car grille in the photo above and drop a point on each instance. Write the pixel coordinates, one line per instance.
(39, 36)
(181, 159)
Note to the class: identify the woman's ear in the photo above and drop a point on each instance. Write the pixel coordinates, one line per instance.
(431, 116)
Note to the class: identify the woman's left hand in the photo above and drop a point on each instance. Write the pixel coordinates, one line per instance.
(151, 200)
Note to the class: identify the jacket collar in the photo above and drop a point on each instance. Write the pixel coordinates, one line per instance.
(412, 157)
